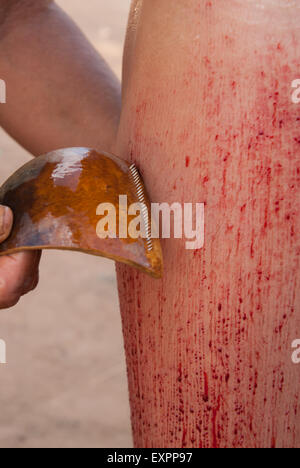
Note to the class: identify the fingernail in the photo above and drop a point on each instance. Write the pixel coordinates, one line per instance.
(4, 220)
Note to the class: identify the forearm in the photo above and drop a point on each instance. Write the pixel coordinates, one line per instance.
(59, 90)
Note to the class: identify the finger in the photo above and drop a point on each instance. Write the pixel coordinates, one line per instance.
(27, 264)
(32, 285)
(6, 221)
(32, 279)
(18, 275)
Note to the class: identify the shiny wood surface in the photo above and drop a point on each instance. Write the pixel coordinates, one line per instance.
(55, 198)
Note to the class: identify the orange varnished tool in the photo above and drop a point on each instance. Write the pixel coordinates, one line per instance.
(55, 200)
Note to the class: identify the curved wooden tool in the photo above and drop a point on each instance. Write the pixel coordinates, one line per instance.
(55, 199)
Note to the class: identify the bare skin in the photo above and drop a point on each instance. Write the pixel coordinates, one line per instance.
(208, 117)
(19, 273)
(206, 91)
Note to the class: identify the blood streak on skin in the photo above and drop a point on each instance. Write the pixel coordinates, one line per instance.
(205, 395)
(208, 347)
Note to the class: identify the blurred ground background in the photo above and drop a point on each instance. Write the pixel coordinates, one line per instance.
(65, 382)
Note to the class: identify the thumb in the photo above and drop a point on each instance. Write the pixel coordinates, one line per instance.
(6, 221)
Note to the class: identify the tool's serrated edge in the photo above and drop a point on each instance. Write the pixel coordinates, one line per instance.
(137, 182)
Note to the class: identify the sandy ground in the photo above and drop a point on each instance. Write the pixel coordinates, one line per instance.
(64, 384)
